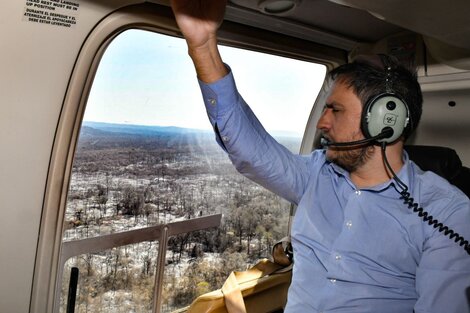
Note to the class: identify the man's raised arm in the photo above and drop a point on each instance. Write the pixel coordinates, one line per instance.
(199, 21)
(251, 149)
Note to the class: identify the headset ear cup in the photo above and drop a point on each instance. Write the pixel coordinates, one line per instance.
(384, 110)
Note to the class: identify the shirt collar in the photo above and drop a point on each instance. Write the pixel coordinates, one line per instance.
(405, 175)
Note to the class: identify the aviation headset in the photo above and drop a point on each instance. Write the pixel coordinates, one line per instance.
(385, 111)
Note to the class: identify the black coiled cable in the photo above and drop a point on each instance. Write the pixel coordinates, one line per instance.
(409, 201)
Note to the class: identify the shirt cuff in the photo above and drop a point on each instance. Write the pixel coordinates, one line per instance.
(220, 97)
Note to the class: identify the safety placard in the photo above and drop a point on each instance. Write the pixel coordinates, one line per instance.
(62, 13)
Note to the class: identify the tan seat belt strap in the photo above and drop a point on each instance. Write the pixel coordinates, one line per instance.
(231, 289)
(233, 295)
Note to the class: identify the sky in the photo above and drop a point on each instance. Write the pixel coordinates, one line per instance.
(145, 78)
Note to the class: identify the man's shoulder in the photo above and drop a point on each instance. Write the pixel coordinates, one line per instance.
(433, 188)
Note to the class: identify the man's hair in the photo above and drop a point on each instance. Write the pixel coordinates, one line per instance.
(367, 76)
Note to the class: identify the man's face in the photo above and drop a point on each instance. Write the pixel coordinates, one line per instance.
(340, 122)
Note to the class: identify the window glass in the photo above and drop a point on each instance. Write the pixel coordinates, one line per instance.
(147, 156)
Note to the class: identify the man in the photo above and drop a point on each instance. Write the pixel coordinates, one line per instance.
(357, 246)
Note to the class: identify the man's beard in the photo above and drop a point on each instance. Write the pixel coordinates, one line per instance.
(351, 158)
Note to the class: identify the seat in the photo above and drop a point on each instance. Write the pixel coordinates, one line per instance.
(443, 161)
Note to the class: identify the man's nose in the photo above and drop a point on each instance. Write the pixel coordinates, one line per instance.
(324, 123)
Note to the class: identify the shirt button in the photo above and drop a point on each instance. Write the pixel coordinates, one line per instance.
(333, 280)
(213, 101)
(337, 257)
(358, 192)
(225, 138)
(349, 224)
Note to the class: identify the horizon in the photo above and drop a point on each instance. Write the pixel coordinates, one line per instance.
(272, 132)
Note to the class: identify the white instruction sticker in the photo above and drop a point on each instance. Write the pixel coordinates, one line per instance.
(61, 13)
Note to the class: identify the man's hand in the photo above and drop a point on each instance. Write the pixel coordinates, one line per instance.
(199, 21)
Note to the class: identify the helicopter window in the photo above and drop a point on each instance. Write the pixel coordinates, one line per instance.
(147, 160)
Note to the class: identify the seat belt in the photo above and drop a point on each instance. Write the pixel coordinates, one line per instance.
(231, 289)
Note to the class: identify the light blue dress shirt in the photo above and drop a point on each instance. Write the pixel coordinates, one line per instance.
(355, 250)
